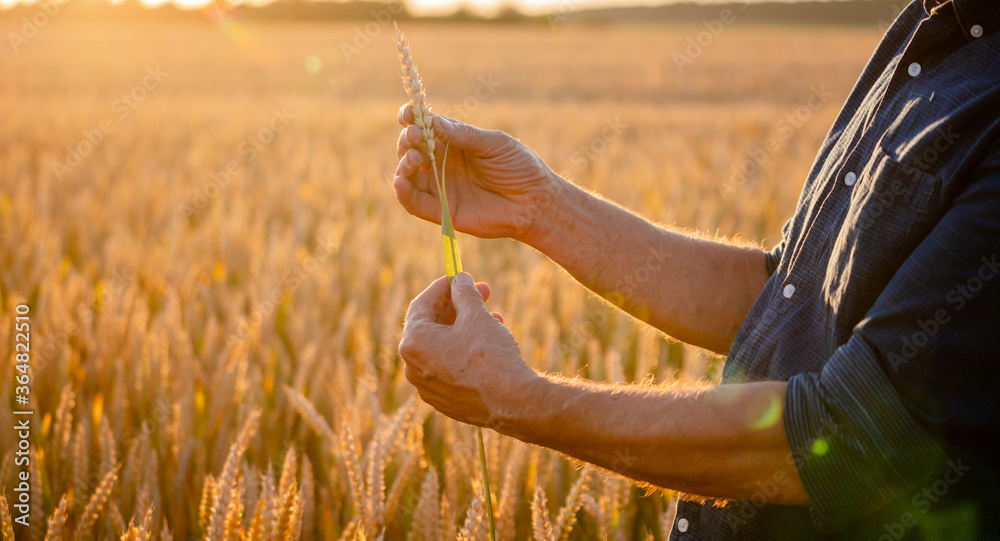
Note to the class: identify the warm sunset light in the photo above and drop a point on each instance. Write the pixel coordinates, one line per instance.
(428, 7)
(728, 270)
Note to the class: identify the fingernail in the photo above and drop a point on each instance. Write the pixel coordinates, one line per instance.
(464, 279)
(446, 124)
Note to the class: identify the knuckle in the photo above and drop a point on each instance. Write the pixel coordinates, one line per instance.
(408, 348)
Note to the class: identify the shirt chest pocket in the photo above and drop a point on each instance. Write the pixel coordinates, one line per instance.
(892, 208)
(890, 193)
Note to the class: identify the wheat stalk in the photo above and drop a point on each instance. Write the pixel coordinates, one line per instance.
(115, 521)
(473, 519)
(6, 523)
(165, 534)
(227, 479)
(349, 452)
(574, 500)
(268, 510)
(58, 520)
(426, 516)
(424, 120)
(308, 497)
(209, 494)
(36, 520)
(80, 463)
(541, 522)
(312, 417)
(93, 509)
(64, 420)
(256, 524)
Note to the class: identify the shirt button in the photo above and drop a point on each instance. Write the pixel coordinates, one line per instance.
(682, 525)
(850, 178)
(976, 31)
(788, 291)
(914, 69)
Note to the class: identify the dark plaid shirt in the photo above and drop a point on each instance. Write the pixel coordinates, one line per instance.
(883, 307)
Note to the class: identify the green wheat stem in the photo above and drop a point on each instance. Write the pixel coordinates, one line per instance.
(453, 266)
(486, 484)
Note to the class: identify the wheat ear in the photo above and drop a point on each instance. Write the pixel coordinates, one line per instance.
(209, 494)
(57, 520)
(93, 509)
(311, 416)
(541, 522)
(227, 479)
(574, 500)
(5, 520)
(424, 120)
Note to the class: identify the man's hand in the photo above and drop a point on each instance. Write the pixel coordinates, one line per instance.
(459, 355)
(494, 182)
(724, 441)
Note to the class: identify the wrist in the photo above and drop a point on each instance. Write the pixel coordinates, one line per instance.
(523, 406)
(552, 214)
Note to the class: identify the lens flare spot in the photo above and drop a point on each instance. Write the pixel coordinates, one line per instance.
(769, 417)
(312, 64)
(820, 447)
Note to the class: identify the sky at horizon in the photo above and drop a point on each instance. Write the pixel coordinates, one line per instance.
(443, 7)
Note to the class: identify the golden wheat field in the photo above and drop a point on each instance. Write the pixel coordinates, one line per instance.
(215, 285)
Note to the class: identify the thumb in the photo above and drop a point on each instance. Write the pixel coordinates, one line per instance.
(465, 296)
(466, 136)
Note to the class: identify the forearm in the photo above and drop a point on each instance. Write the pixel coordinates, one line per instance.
(697, 291)
(725, 441)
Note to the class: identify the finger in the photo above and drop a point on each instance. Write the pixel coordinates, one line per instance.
(462, 135)
(484, 290)
(429, 304)
(409, 163)
(448, 315)
(420, 204)
(497, 316)
(405, 115)
(409, 137)
(465, 296)
(410, 373)
(413, 164)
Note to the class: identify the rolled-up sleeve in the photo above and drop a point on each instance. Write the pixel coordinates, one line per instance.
(916, 382)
